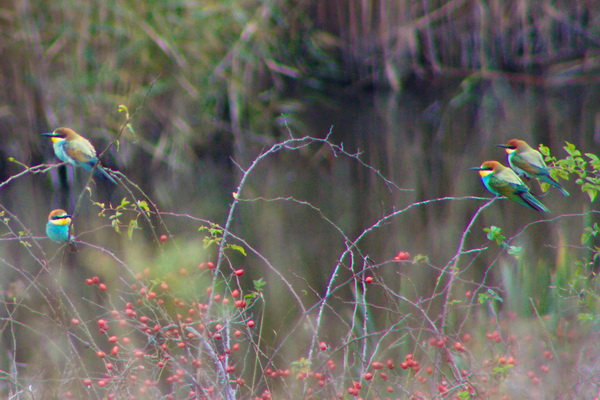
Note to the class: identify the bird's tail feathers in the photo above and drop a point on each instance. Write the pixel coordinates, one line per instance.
(533, 202)
(557, 185)
(101, 173)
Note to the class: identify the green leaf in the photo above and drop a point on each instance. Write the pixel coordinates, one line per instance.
(494, 233)
(464, 395)
(586, 317)
(572, 149)
(420, 259)
(143, 204)
(259, 284)
(133, 224)
(238, 248)
(502, 370)
(124, 203)
(514, 250)
(489, 295)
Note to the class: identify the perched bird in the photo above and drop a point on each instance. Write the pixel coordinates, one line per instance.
(502, 181)
(59, 226)
(74, 149)
(529, 162)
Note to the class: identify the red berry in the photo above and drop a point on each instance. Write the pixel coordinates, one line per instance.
(102, 325)
(458, 346)
(250, 324)
(369, 279)
(239, 272)
(163, 238)
(240, 303)
(377, 365)
(402, 256)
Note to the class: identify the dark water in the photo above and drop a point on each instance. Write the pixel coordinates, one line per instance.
(423, 141)
(302, 208)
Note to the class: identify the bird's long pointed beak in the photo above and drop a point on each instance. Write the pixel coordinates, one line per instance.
(476, 169)
(47, 134)
(504, 146)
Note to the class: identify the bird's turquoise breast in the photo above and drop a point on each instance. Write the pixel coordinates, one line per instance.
(491, 183)
(59, 150)
(57, 233)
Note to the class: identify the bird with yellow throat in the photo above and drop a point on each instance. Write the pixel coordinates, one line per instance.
(72, 148)
(58, 227)
(503, 181)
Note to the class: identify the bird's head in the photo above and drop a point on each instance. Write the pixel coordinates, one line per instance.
(59, 217)
(488, 167)
(61, 134)
(513, 145)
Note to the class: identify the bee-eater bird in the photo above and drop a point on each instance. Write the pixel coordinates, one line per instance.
(74, 149)
(528, 162)
(502, 181)
(59, 226)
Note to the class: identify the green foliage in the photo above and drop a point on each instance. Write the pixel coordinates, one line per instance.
(587, 169)
(494, 233)
(464, 395)
(489, 296)
(115, 214)
(502, 370)
(590, 232)
(215, 236)
(259, 285)
(420, 259)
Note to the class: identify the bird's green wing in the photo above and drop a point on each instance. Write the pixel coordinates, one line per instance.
(530, 161)
(508, 177)
(81, 151)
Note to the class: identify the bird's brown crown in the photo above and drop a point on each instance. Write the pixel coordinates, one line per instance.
(65, 133)
(59, 217)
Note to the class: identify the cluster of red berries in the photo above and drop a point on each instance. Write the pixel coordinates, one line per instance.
(96, 281)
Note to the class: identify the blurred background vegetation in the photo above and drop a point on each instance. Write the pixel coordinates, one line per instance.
(424, 89)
